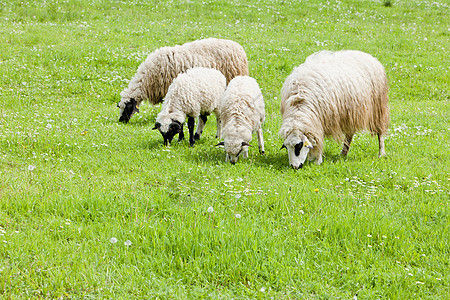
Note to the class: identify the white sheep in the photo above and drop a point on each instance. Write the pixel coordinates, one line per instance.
(194, 94)
(156, 73)
(333, 94)
(241, 114)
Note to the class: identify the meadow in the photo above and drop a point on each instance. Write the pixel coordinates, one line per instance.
(91, 208)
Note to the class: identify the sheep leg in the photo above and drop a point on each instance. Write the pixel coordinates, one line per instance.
(181, 134)
(381, 145)
(201, 125)
(346, 146)
(191, 124)
(260, 140)
(219, 128)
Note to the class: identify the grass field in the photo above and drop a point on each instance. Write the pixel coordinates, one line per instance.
(92, 208)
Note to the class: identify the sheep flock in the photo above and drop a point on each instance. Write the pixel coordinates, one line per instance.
(331, 94)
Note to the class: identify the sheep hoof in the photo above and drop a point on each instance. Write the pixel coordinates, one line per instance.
(262, 152)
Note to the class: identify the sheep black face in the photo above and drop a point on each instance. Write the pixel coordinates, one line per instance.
(174, 128)
(127, 110)
(298, 149)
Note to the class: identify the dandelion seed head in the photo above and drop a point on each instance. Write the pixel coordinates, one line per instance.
(113, 240)
(238, 216)
(210, 209)
(31, 168)
(127, 243)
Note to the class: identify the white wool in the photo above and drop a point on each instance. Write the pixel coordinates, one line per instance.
(242, 113)
(334, 94)
(194, 93)
(156, 73)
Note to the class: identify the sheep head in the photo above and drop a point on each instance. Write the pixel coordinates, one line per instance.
(234, 149)
(128, 107)
(168, 131)
(298, 147)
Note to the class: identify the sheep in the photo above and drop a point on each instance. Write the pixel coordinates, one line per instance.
(241, 114)
(333, 94)
(156, 73)
(194, 94)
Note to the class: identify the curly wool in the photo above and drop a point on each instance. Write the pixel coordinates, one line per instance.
(194, 93)
(334, 94)
(241, 113)
(161, 67)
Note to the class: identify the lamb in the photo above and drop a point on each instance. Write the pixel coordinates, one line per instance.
(333, 94)
(194, 94)
(156, 73)
(241, 113)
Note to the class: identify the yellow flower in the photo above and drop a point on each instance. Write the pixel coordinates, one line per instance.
(316, 190)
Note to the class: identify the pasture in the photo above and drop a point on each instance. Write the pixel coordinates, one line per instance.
(93, 208)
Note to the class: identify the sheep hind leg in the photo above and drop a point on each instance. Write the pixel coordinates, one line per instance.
(346, 146)
(201, 125)
(260, 140)
(381, 145)
(191, 124)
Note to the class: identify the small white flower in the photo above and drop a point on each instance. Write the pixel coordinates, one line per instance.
(369, 235)
(113, 240)
(410, 274)
(238, 216)
(370, 246)
(238, 196)
(49, 126)
(420, 282)
(31, 168)
(127, 243)
(302, 212)
(210, 209)
(263, 289)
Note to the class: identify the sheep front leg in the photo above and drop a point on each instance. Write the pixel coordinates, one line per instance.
(191, 124)
(346, 146)
(260, 140)
(201, 125)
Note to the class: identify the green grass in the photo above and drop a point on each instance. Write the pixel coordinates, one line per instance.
(374, 227)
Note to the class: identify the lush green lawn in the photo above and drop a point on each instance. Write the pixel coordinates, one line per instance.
(73, 180)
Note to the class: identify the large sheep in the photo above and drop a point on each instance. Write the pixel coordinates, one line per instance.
(194, 94)
(241, 114)
(161, 67)
(333, 94)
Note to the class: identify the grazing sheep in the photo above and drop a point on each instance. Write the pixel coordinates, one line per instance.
(241, 114)
(334, 95)
(161, 67)
(195, 93)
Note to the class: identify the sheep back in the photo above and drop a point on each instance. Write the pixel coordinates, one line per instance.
(161, 67)
(242, 105)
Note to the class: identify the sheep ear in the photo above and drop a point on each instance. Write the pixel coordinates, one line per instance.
(308, 144)
(283, 147)
(157, 126)
(245, 144)
(220, 144)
